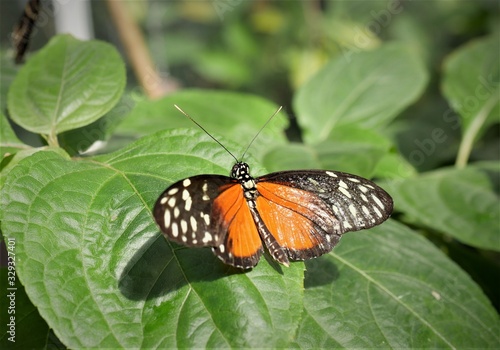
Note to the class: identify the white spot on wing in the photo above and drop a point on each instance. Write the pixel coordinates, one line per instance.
(335, 209)
(172, 191)
(375, 209)
(176, 212)
(342, 184)
(222, 248)
(171, 202)
(186, 182)
(363, 188)
(352, 179)
(206, 218)
(329, 173)
(166, 218)
(365, 210)
(188, 203)
(163, 200)
(353, 210)
(345, 192)
(379, 203)
(194, 224)
(207, 237)
(184, 226)
(175, 229)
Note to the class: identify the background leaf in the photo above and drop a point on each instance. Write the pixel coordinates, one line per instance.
(90, 252)
(236, 116)
(67, 84)
(349, 148)
(365, 88)
(459, 203)
(470, 82)
(389, 287)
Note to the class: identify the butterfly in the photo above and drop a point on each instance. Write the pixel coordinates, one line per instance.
(295, 215)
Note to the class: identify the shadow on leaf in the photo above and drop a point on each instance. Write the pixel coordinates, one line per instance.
(320, 271)
(161, 267)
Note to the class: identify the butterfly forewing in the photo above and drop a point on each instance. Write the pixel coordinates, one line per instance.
(355, 202)
(184, 211)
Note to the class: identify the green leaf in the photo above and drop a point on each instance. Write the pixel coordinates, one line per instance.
(471, 86)
(66, 85)
(95, 265)
(235, 116)
(366, 88)
(291, 156)
(349, 148)
(459, 203)
(80, 140)
(394, 166)
(471, 82)
(390, 288)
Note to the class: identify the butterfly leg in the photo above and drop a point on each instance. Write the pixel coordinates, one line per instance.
(276, 251)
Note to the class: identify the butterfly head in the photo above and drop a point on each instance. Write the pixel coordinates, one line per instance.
(241, 172)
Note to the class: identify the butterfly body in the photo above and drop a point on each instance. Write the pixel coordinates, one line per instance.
(296, 215)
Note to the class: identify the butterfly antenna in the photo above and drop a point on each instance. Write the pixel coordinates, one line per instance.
(206, 132)
(260, 130)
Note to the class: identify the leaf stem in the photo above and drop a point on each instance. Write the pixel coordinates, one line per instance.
(52, 139)
(470, 134)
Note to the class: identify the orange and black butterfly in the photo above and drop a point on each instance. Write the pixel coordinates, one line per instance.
(296, 215)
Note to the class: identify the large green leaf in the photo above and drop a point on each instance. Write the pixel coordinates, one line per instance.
(460, 203)
(366, 88)
(66, 85)
(390, 288)
(470, 83)
(95, 265)
(236, 116)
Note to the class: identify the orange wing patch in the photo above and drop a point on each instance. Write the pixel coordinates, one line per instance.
(298, 219)
(242, 240)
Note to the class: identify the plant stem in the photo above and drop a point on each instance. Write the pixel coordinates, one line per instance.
(471, 133)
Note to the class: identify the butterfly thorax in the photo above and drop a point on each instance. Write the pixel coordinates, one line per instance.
(241, 173)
